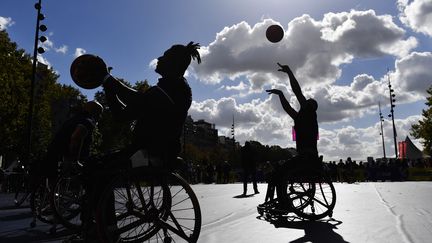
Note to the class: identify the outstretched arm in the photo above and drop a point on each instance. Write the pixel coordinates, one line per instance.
(294, 84)
(123, 101)
(285, 104)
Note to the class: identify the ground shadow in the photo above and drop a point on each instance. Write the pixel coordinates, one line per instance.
(244, 196)
(7, 207)
(18, 216)
(34, 235)
(315, 231)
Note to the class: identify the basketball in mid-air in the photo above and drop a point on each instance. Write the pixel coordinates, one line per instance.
(274, 33)
(88, 71)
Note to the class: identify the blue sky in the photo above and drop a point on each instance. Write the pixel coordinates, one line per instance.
(340, 51)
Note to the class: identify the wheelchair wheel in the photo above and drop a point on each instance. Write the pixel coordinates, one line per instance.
(300, 194)
(22, 190)
(130, 206)
(40, 204)
(66, 201)
(183, 223)
(321, 204)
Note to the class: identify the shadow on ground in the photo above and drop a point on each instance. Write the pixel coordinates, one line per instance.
(244, 196)
(315, 231)
(34, 235)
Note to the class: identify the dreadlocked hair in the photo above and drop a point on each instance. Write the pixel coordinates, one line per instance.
(192, 49)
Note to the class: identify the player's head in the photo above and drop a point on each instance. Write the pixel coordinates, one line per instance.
(311, 104)
(93, 108)
(175, 60)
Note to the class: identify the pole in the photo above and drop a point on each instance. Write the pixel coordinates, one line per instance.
(392, 114)
(382, 131)
(32, 86)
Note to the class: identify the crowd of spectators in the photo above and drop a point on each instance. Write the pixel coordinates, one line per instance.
(377, 170)
(347, 171)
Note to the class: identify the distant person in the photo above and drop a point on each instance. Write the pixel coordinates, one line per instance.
(305, 126)
(226, 171)
(72, 141)
(269, 178)
(219, 172)
(248, 160)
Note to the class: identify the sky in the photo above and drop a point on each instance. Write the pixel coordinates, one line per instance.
(343, 54)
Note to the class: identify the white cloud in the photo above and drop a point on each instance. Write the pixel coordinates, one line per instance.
(314, 49)
(5, 22)
(265, 121)
(47, 45)
(43, 60)
(413, 73)
(240, 87)
(417, 15)
(153, 63)
(79, 52)
(359, 143)
(63, 49)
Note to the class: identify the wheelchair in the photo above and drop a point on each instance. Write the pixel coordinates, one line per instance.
(147, 203)
(308, 192)
(137, 204)
(66, 200)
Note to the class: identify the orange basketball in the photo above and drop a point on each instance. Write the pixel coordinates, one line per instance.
(88, 71)
(274, 33)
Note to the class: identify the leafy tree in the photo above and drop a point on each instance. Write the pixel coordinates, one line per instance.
(15, 81)
(15, 70)
(423, 130)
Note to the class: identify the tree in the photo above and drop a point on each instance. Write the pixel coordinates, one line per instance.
(423, 129)
(15, 79)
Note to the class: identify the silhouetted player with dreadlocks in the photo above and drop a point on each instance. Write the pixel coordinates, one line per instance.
(159, 114)
(306, 128)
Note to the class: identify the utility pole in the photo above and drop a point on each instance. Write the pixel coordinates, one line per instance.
(36, 50)
(233, 133)
(392, 106)
(382, 132)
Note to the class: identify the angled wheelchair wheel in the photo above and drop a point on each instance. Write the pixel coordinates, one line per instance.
(40, 204)
(183, 222)
(300, 194)
(321, 203)
(66, 201)
(22, 188)
(159, 208)
(130, 206)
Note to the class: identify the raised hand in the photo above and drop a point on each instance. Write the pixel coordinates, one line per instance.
(284, 68)
(274, 91)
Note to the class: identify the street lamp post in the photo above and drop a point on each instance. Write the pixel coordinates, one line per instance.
(382, 132)
(233, 134)
(392, 106)
(36, 50)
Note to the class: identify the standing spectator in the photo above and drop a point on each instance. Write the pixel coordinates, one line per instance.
(248, 158)
(341, 171)
(226, 171)
(219, 172)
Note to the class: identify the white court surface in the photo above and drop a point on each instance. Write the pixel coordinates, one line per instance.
(364, 212)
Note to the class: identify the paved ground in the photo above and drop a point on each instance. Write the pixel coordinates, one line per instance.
(365, 212)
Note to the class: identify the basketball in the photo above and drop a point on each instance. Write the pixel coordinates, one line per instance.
(88, 71)
(274, 33)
